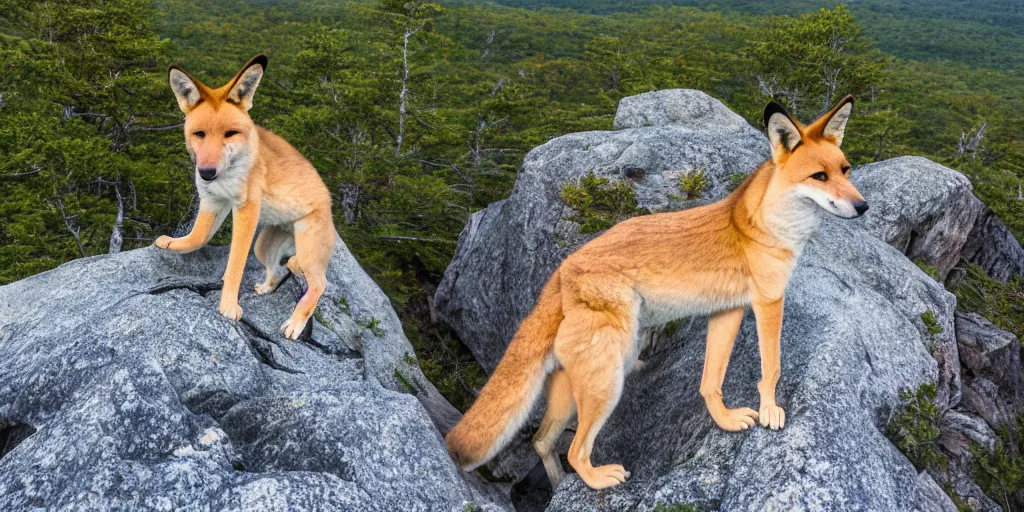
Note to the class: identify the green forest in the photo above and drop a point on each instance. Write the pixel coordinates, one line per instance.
(92, 160)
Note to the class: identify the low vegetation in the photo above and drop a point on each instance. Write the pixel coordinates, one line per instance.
(694, 185)
(914, 429)
(1000, 472)
(931, 323)
(599, 203)
(927, 269)
(661, 507)
(1001, 303)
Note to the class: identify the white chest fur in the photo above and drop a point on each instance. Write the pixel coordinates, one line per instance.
(794, 222)
(276, 213)
(231, 184)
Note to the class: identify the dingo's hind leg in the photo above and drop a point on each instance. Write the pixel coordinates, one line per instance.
(560, 410)
(272, 245)
(592, 349)
(314, 244)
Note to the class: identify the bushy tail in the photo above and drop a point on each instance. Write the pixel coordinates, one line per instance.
(507, 398)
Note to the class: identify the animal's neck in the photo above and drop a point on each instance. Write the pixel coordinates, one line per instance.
(792, 221)
(772, 219)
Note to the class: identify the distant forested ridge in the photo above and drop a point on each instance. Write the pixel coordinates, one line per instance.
(986, 33)
(92, 159)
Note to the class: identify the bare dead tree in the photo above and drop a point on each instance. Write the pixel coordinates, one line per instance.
(498, 87)
(974, 143)
(36, 169)
(147, 128)
(487, 47)
(770, 87)
(830, 78)
(830, 72)
(116, 238)
(70, 223)
(970, 142)
(403, 95)
(131, 187)
(476, 149)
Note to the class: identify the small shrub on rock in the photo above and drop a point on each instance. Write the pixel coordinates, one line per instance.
(694, 185)
(931, 323)
(915, 428)
(599, 204)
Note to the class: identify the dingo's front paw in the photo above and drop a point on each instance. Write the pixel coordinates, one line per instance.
(772, 416)
(163, 242)
(734, 420)
(293, 327)
(232, 311)
(604, 476)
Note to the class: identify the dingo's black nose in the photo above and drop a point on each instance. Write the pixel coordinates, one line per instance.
(209, 173)
(861, 207)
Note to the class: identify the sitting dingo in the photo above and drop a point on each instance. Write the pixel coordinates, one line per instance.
(262, 180)
(713, 260)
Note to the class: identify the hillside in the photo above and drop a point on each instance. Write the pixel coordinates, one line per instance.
(987, 33)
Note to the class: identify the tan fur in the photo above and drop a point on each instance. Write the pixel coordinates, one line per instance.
(712, 260)
(263, 181)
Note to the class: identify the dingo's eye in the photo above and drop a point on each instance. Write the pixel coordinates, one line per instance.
(199, 134)
(231, 133)
(820, 176)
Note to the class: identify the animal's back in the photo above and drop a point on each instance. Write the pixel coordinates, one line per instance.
(679, 263)
(292, 188)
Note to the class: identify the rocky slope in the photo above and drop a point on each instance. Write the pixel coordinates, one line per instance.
(121, 387)
(863, 323)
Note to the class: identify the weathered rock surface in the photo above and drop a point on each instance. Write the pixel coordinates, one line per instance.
(991, 358)
(928, 211)
(854, 335)
(123, 388)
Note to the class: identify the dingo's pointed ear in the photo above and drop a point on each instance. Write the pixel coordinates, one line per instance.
(783, 132)
(187, 90)
(833, 123)
(243, 86)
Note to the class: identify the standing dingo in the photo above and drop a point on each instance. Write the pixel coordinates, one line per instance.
(713, 260)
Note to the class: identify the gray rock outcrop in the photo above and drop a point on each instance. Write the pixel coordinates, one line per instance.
(928, 211)
(122, 388)
(863, 323)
